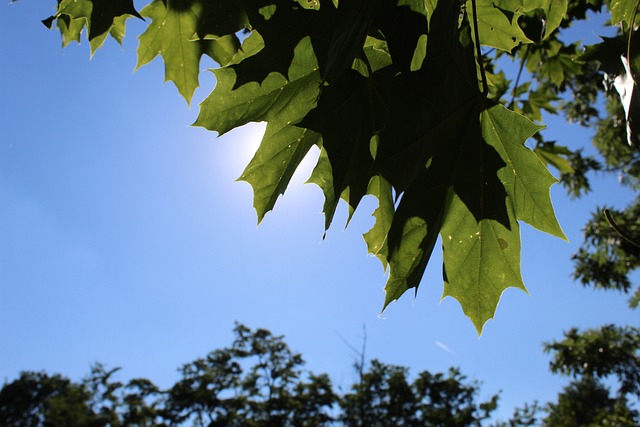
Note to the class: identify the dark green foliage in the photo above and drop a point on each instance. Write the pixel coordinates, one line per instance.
(36, 399)
(528, 415)
(586, 403)
(600, 353)
(590, 357)
(385, 395)
(606, 260)
(257, 381)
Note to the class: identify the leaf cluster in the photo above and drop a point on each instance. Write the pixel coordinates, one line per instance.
(406, 100)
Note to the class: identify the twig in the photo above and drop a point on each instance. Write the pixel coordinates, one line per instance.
(485, 87)
(625, 236)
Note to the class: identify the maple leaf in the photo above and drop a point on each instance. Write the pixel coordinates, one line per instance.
(481, 253)
(498, 23)
(624, 10)
(177, 33)
(347, 116)
(525, 178)
(471, 179)
(282, 101)
(376, 237)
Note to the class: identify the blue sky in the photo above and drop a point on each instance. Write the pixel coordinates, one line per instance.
(125, 239)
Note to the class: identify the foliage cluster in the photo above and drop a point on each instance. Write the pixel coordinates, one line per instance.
(259, 381)
(410, 102)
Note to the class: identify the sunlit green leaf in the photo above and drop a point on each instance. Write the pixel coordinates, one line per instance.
(525, 178)
(172, 34)
(481, 260)
(624, 10)
(279, 155)
(376, 237)
(498, 23)
(279, 100)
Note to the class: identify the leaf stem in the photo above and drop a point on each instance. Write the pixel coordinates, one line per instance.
(631, 25)
(515, 86)
(485, 87)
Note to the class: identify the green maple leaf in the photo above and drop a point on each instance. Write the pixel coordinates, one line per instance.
(624, 10)
(561, 60)
(525, 178)
(552, 12)
(419, 157)
(498, 23)
(176, 33)
(376, 237)
(482, 253)
(280, 153)
(100, 17)
(481, 181)
(471, 180)
(322, 176)
(481, 259)
(280, 100)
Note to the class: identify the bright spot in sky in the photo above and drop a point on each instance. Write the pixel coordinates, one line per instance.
(240, 145)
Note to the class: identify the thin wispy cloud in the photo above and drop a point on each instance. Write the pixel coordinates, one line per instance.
(445, 348)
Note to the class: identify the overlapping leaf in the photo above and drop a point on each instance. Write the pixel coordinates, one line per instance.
(524, 177)
(498, 20)
(457, 160)
(464, 184)
(100, 17)
(481, 253)
(281, 101)
(282, 24)
(498, 23)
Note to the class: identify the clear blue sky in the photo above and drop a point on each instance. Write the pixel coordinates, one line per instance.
(124, 239)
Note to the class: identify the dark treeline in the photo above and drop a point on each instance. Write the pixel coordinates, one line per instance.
(260, 381)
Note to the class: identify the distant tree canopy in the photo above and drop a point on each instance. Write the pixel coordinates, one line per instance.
(425, 105)
(259, 381)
